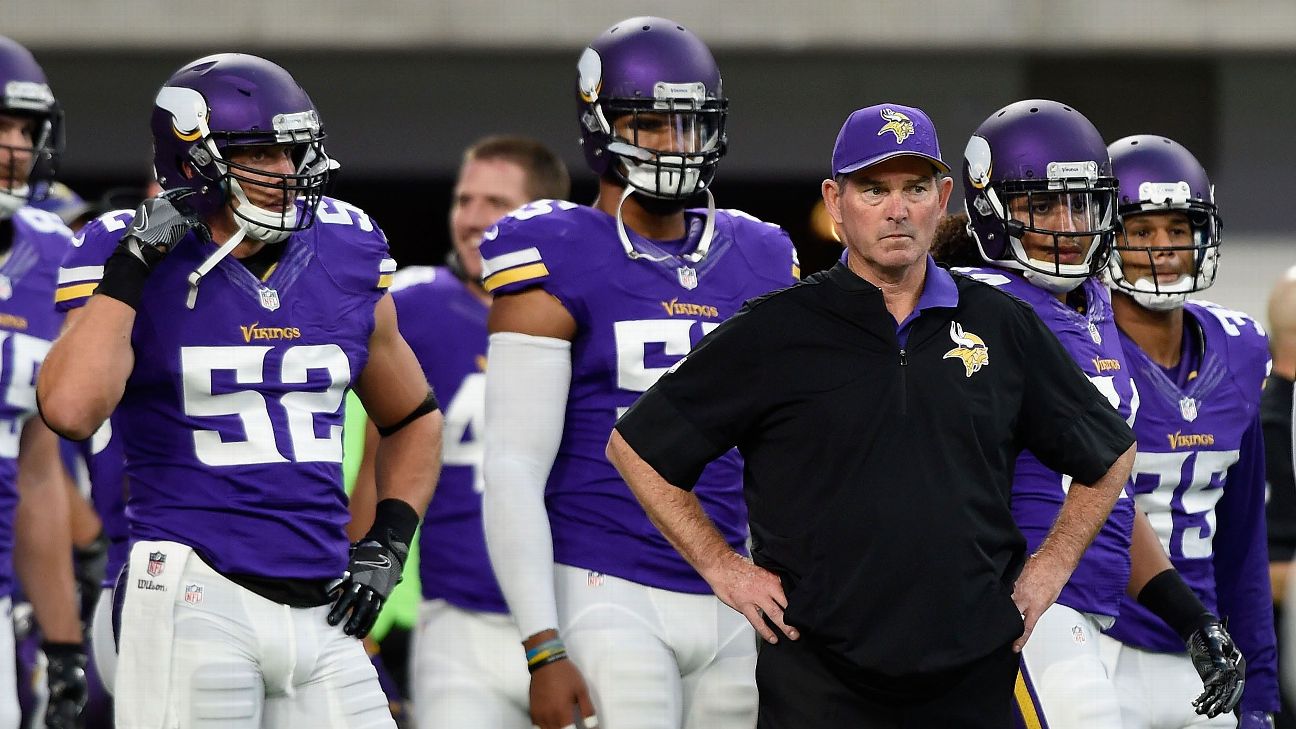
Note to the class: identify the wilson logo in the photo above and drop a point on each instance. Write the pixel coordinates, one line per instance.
(253, 331)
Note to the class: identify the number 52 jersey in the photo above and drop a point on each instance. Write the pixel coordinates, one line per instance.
(635, 319)
(232, 416)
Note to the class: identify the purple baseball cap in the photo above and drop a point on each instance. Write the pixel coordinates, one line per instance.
(877, 133)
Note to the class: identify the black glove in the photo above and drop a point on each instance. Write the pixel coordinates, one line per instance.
(89, 564)
(375, 569)
(160, 222)
(1221, 667)
(65, 675)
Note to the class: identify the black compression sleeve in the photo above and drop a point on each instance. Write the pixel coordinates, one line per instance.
(1170, 599)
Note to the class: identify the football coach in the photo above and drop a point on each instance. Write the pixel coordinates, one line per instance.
(880, 406)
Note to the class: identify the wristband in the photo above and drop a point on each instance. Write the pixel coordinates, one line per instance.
(550, 651)
(1170, 598)
(394, 523)
(123, 278)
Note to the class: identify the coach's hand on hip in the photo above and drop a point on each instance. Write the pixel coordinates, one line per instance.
(755, 592)
(1036, 589)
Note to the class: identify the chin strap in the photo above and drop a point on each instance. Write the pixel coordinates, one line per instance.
(196, 277)
(704, 243)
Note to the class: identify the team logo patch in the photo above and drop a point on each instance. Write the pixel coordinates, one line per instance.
(193, 594)
(971, 349)
(898, 124)
(687, 277)
(1188, 408)
(269, 299)
(156, 563)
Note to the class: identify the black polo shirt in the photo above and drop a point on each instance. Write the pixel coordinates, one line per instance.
(877, 478)
(1280, 511)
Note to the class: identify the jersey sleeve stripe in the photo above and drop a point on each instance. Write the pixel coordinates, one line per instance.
(494, 265)
(76, 291)
(385, 281)
(514, 275)
(388, 265)
(79, 274)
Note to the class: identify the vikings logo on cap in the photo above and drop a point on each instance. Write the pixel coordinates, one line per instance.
(898, 124)
(971, 349)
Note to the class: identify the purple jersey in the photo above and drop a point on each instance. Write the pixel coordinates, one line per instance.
(101, 455)
(635, 319)
(232, 416)
(28, 325)
(1099, 581)
(1199, 477)
(445, 324)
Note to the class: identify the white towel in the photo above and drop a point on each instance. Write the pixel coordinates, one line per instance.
(143, 684)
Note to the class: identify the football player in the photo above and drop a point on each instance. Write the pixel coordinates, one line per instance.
(1041, 203)
(229, 316)
(467, 667)
(1199, 474)
(592, 304)
(36, 526)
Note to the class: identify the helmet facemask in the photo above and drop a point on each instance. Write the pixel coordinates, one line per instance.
(667, 148)
(1201, 241)
(26, 170)
(1059, 231)
(291, 198)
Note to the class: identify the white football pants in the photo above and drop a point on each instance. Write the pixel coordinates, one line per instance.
(656, 659)
(1064, 681)
(10, 711)
(468, 669)
(103, 646)
(1156, 690)
(240, 661)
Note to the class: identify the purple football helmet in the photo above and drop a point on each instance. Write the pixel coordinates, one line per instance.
(1158, 175)
(27, 171)
(1040, 194)
(237, 100)
(652, 112)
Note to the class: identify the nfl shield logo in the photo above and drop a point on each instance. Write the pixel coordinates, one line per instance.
(1188, 408)
(156, 563)
(193, 594)
(269, 299)
(687, 277)
(1094, 334)
(6, 287)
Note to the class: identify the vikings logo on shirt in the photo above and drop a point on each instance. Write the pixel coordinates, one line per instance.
(971, 349)
(898, 124)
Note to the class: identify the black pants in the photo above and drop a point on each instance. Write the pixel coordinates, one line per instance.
(802, 688)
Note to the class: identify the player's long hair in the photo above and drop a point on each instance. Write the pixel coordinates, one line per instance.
(954, 245)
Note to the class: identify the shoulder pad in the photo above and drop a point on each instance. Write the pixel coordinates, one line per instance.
(525, 246)
(83, 262)
(352, 247)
